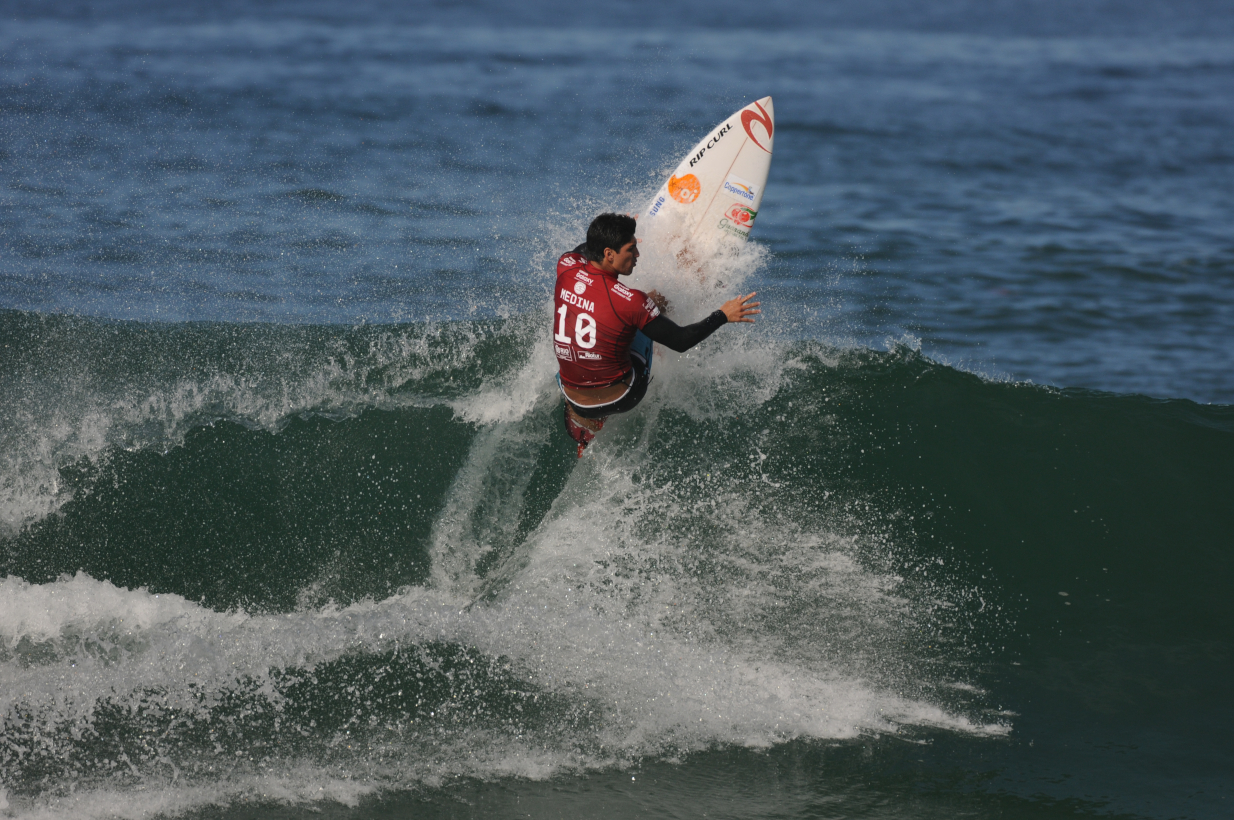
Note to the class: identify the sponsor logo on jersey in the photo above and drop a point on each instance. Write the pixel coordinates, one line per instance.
(651, 308)
(655, 208)
(564, 352)
(587, 354)
(570, 260)
(578, 301)
(739, 214)
(623, 291)
(582, 277)
(684, 189)
(716, 137)
(749, 118)
(740, 188)
(580, 288)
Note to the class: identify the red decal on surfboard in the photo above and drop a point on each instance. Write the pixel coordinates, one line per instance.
(748, 117)
(741, 215)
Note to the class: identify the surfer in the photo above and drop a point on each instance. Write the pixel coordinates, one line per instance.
(595, 321)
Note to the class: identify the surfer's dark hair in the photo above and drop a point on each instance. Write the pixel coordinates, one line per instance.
(608, 231)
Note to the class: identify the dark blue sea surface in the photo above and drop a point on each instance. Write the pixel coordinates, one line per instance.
(288, 522)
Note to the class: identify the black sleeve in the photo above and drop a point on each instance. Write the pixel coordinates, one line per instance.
(672, 335)
(580, 248)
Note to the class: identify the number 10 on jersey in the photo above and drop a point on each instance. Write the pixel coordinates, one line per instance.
(584, 329)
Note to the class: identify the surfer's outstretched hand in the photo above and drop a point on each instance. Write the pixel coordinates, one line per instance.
(740, 308)
(660, 299)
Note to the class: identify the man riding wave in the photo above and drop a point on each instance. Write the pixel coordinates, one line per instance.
(595, 318)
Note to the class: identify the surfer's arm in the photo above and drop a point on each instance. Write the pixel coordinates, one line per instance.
(672, 335)
(675, 337)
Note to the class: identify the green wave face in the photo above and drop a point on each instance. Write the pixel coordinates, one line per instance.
(373, 550)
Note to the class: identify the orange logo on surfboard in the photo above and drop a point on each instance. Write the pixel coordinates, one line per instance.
(684, 189)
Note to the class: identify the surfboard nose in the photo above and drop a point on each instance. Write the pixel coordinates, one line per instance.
(760, 113)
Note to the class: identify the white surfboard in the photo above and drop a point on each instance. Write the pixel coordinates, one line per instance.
(713, 197)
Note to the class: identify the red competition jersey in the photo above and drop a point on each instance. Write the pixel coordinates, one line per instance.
(594, 320)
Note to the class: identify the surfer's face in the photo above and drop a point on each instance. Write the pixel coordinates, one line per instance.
(623, 261)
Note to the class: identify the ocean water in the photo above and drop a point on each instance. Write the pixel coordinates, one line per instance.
(288, 523)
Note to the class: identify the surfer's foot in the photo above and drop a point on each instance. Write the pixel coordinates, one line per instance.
(580, 429)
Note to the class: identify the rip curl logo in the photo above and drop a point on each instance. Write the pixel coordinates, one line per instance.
(741, 216)
(748, 118)
(684, 189)
(711, 143)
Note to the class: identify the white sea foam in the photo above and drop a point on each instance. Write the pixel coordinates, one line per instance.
(584, 613)
(43, 612)
(301, 786)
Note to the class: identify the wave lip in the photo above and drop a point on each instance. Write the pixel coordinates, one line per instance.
(81, 389)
